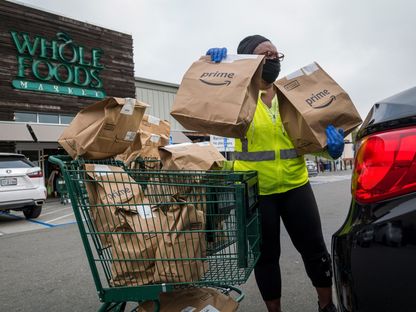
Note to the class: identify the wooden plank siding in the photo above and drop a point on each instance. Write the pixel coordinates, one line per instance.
(117, 58)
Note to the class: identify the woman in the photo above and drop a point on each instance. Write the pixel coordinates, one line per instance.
(285, 191)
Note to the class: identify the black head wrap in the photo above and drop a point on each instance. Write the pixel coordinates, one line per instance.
(248, 44)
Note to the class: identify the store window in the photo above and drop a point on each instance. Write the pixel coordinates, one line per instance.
(25, 117)
(66, 119)
(43, 118)
(48, 118)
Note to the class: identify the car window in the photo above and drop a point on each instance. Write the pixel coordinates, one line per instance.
(13, 162)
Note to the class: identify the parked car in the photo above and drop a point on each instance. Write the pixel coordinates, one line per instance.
(312, 168)
(22, 185)
(374, 251)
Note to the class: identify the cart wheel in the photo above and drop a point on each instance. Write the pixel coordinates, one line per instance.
(112, 307)
(227, 289)
(156, 306)
(120, 307)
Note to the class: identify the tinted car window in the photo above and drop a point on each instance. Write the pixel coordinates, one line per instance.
(13, 162)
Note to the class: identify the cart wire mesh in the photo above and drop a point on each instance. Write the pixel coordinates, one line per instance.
(144, 228)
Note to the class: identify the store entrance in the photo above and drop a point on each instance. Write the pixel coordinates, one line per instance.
(35, 155)
(38, 153)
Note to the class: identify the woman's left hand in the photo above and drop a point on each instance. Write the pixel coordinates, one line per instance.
(334, 141)
(217, 54)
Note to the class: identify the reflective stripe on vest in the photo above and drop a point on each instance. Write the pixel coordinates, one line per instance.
(288, 153)
(262, 155)
(253, 156)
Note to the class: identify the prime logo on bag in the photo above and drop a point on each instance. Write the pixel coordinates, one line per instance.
(119, 193)
(317, 97)
(310, 100)
(217, 74)
(219, 98)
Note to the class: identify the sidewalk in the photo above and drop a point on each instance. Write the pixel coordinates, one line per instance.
(337, 172)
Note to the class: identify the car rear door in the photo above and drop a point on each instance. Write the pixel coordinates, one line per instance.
(375, 249)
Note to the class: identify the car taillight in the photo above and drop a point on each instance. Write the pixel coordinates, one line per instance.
(36, 174)
(385, 166)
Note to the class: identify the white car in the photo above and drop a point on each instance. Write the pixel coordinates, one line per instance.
(312, 168)
(22, 185)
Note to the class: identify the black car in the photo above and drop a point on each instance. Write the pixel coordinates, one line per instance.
(374, 252)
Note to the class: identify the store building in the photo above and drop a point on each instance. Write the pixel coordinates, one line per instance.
(52, 66)
(160, 96)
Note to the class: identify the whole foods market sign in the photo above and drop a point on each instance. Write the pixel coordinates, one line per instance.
(57, 66)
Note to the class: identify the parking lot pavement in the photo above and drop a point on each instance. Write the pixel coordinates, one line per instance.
(56, 214)
(47, 270)
(328, 177)
(53, 214)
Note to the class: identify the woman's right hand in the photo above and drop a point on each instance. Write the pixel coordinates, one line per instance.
(217, 54)
(334, 141)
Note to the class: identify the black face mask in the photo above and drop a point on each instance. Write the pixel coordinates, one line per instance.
(271, 70)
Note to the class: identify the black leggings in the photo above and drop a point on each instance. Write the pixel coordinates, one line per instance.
(300, 215)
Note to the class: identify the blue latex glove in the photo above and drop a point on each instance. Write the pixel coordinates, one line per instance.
(217, 54)
(334, 141)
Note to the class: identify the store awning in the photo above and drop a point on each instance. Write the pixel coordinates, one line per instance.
(47, 133)
(14, 131)
(179, 137)
(30, 132)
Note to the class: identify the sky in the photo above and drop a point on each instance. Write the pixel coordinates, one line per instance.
(368, 47)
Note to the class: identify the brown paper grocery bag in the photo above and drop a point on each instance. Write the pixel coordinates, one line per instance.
(108, 195)
(310, 100)
(104, 129)
(187, 248)
(152, 124)
(132, 151)
(219, 98)
(193, 300)
(131, 224)
(131, 251)
(191, 156)
(153, 134)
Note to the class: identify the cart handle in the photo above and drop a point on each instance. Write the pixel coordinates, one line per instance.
(59, 160)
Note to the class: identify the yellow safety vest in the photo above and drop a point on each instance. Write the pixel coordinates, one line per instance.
(267, 148)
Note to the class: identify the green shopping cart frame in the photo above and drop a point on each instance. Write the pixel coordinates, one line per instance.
(224, 255)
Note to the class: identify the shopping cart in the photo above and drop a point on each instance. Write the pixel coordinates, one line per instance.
(147, 232)
(62, 190)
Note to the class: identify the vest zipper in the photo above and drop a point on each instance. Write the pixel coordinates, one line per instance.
(278, 162)
(252, 132)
